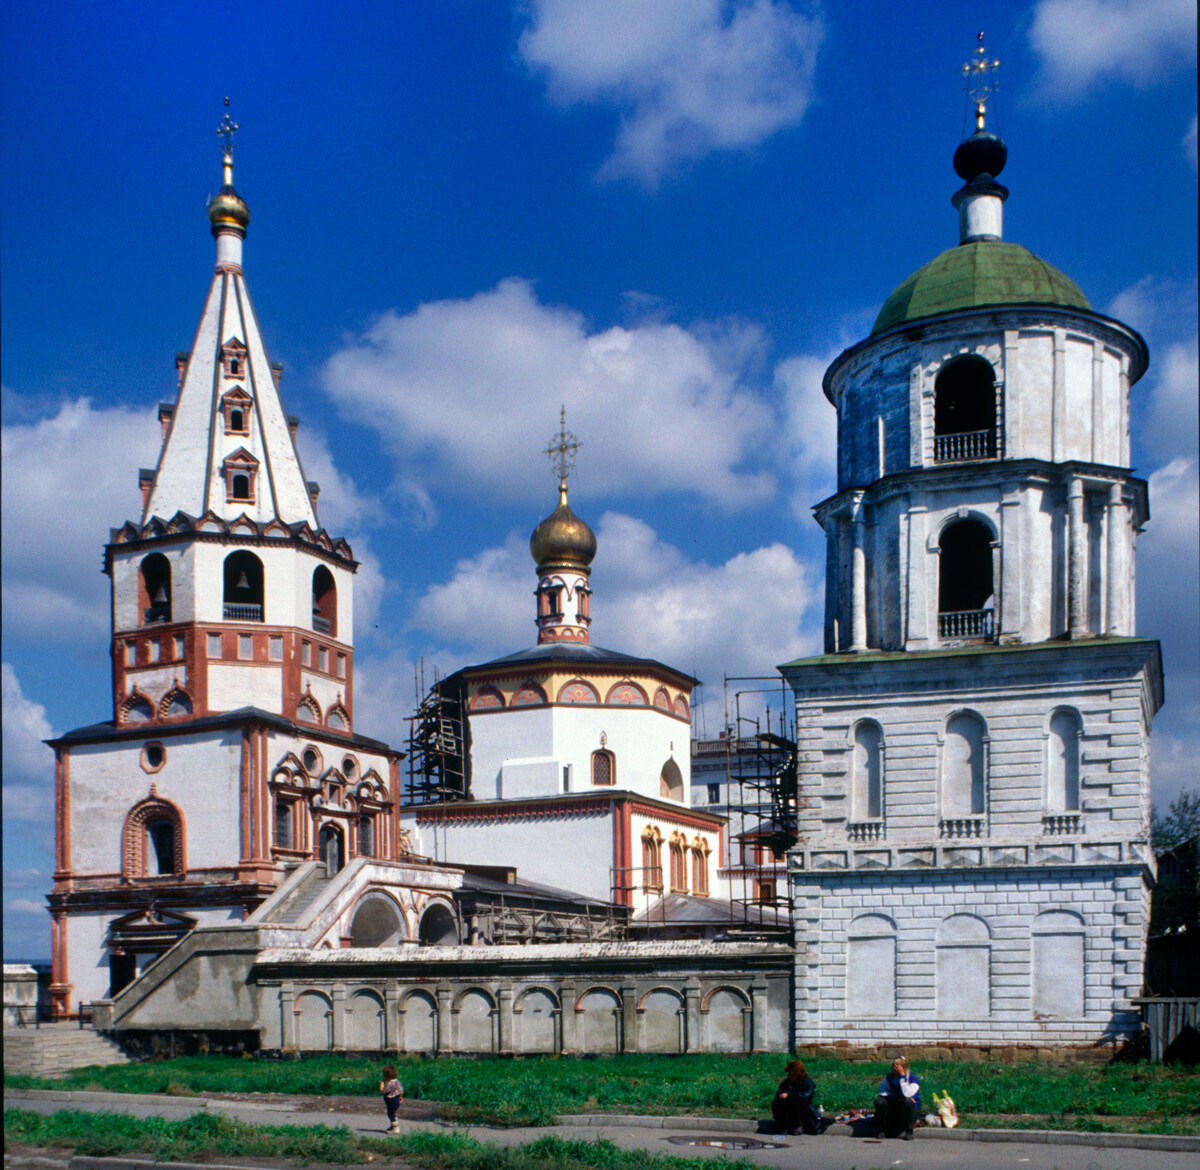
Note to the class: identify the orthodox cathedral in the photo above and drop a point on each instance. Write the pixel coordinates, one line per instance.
(969, 782)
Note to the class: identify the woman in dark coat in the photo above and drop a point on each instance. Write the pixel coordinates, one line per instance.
(793, 1108)
(898, 1104)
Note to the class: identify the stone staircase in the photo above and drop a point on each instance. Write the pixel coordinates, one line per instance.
(296, 896)
(53, 1049)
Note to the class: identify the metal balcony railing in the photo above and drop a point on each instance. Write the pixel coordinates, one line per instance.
(155, 614)
(321, 625)
(976, 624)
(960, 828)
(964, 447)
(243, 613)
(1060, 824)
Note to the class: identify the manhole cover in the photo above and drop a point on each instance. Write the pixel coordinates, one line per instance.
(727, 1143)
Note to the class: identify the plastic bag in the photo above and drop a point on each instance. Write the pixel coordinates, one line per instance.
(946, 1110)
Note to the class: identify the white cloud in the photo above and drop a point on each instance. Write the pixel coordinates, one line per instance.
(741, 617)
(67, 481)
(385, 694)
(71, 478)
(1081, 42)
(1189, 143)
(689, 76)
(26, 757)
(466, 393)
(810, 432)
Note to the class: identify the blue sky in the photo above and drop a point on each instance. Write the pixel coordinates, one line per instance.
(670, 216)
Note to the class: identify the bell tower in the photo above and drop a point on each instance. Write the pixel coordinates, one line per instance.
(974, 743)
(227, 592)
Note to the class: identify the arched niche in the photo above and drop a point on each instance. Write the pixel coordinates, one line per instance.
(154, 589)
(324, 602)
(670, 781)
(377, 922)
(438, 927)
(243, 592)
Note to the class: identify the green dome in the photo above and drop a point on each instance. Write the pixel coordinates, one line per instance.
(982, 272)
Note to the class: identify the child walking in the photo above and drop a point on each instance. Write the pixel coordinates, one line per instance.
(393, 1094)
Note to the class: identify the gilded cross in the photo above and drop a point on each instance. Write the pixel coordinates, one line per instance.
(562, 448)
(227, 129)
(980, 84)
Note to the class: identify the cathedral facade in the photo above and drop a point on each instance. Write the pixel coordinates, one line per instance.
(973, 864)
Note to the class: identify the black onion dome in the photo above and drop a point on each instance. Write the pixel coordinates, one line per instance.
(981, 154)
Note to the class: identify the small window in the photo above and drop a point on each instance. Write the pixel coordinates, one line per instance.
(246, 646)
(241, 488)
(603, 770)
(160, 856)
(180, 646)
(155, 650)
(714, 794)
(306, 653)
(214, 645)
(235, 367)
(323, 659)
(349, 768)
(341, 666)
(276, 645)
(311, 760)
(366, 836)
(237, 421)
(154, 756)
(131, 654)
(766, 893)
(566, 778)
(283, 824)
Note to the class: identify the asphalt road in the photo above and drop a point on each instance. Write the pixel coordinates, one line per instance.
(832, 1151)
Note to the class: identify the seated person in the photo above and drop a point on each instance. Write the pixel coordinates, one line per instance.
(898, 1104)
(793, 1108)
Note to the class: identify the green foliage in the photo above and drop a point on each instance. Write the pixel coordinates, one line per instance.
(1181, 823)
(206, 1135)
(535, 1090)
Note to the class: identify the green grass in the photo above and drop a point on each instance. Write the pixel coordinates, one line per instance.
(534, 1091)
(205, 1135)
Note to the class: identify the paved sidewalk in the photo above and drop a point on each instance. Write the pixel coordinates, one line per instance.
(932, 1149)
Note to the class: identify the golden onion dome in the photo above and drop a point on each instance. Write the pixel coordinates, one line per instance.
(227, 208)
(562, 538)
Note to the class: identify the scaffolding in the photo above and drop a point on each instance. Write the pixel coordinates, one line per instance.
(437, 751)
(762, 795)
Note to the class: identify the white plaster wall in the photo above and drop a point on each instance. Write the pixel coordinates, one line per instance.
(529, 778)
(568, 852)
(248, 684)
(201, 776)
(87, 956)
(642, 739)
(125, 572)
(304, 565)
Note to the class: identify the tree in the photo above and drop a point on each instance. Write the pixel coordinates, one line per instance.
(1182, 822)
(1175, 901)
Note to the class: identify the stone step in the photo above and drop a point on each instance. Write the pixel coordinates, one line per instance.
(58, 1049)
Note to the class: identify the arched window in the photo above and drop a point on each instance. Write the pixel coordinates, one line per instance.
(866, 781)
(243, 587)
(337, 718)
(152, 840)
(604, 768)
(285, 824)
(136, 709)
(964, 968)
(964, 791)
(175, 704)
(1062, 763)
(307, 710)
(154, 589)
(366, 835)
(965, 411)
(330, 848)
(965, 587)
(700, 853)
(678, 868)
(652, 876)
(324, 602)
(670, 781)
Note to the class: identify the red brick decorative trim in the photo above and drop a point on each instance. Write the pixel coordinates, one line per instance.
(133, 838)
(512, 812)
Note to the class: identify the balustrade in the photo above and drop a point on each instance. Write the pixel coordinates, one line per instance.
(975, 624)
(963, 827)
(864, 830)
(1060, 824)
(243, 613)
(964, 447)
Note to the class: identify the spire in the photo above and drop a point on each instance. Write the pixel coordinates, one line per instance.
(980, 158)
(227, 210)
(229, 448)
(562, 547)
